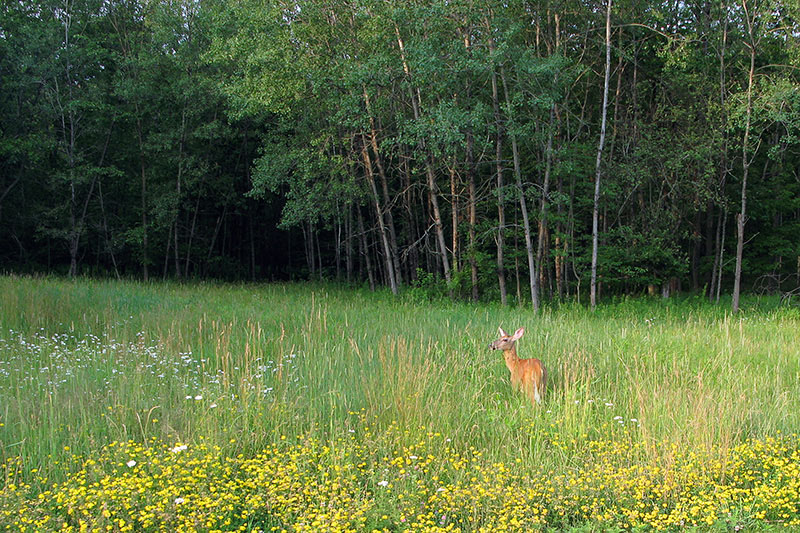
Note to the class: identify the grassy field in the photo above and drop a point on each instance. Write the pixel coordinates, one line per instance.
(201, 407)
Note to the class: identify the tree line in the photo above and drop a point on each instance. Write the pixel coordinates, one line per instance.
(520, 151)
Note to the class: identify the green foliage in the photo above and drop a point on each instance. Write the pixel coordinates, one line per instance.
(233, 139)
(314, 180)
(427, 287)
(633, 260)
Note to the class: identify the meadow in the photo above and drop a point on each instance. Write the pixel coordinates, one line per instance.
(201, 407)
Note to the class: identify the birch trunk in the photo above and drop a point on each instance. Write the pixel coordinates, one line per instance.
(596, 209)
(379, 215)
(716, 272)
(741, 218)
(389, 220)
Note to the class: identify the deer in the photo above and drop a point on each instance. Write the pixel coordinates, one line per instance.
(528, 375)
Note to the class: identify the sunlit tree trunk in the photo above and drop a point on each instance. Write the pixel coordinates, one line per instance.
(596, 208)
(389, 219)
(379, 216)
(741, 218)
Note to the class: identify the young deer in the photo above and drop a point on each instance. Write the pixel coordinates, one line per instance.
(528, 375)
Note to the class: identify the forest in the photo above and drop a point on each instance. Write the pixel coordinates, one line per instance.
(516, 151)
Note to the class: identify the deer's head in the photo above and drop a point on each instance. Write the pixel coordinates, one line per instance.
(506, 341)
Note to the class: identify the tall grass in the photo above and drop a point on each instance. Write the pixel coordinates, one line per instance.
(85, 363)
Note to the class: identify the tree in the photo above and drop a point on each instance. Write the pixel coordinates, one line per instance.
(596, 208)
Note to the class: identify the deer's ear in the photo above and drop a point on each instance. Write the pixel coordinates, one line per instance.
(502, 333)
(519, 333)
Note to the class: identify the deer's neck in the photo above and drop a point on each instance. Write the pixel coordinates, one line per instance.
(510, 356)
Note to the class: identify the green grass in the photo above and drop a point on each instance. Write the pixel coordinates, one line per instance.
(85, 363)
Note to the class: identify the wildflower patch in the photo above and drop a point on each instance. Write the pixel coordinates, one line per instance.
(344, 485)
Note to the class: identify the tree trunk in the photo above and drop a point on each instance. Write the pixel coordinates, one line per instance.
(252, 248)
(192, 228)
(501, 222)
(310, 259)
(379, 215)
(385, 189)
(348, 243)
(697, 245)
(319, 257)
(365, 250)
(142, 167)
(558, 260)
(437, 216)
(741, 218)
(501, 215)
(337, 229)
(178, 179)
(596, 208)
(74, 236)
(716, 273)
(68, 133)
(724, 223)
(166, 254)
(220, 220)
(544, 232)
(454, 215)
(471, 191)
(717, 249)
(105, 228)
(8, 190)
(526, 226)
(411, 220)
(473, 263)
